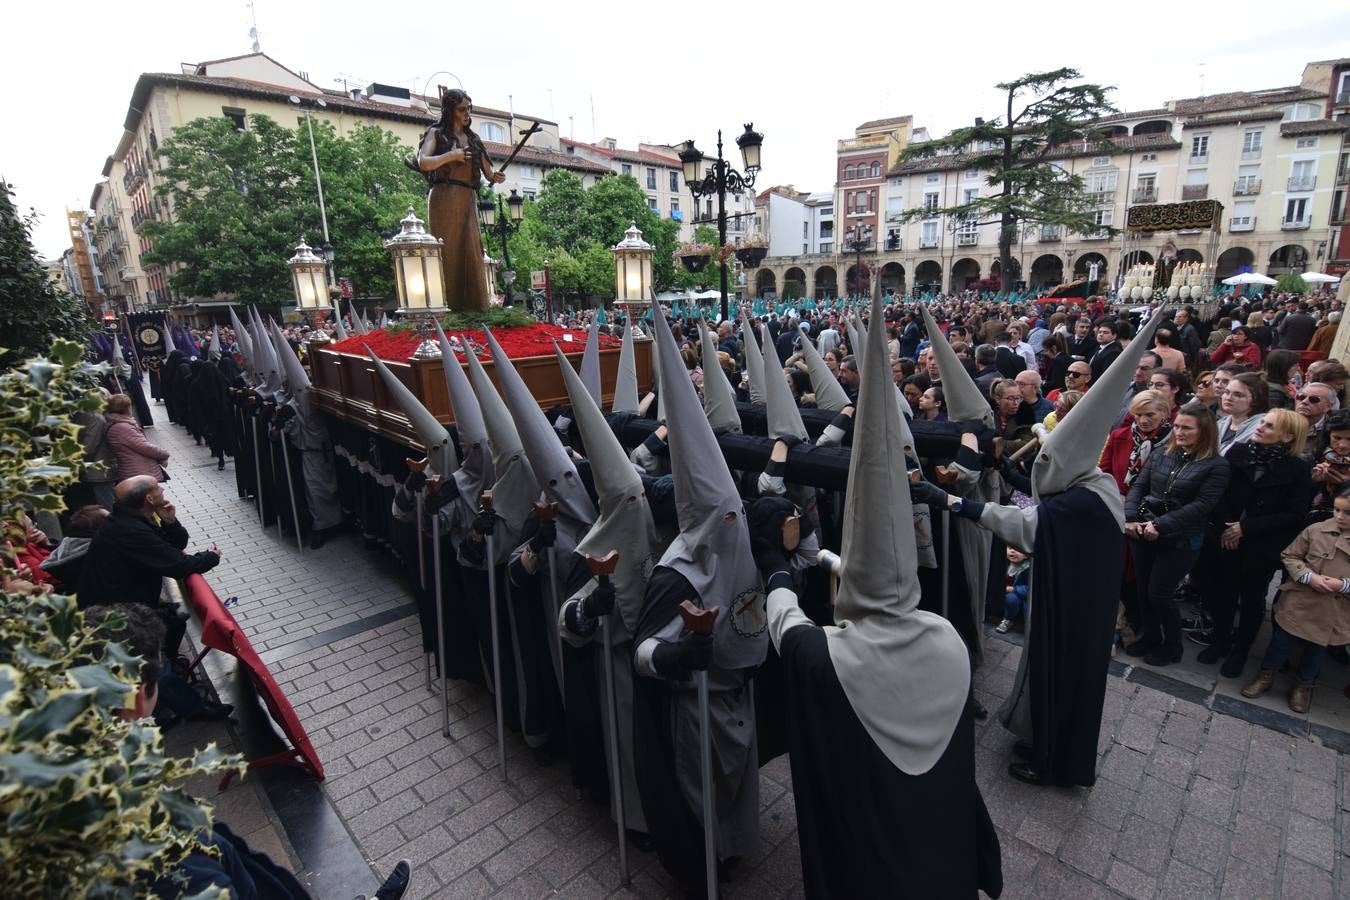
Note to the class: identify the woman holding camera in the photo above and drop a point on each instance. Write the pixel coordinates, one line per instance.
(1166, 512)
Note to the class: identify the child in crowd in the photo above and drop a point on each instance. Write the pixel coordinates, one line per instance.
(1019, 588)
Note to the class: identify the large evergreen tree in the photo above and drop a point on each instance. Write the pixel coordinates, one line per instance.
(242, 199)
(1045, 112)
(33, 310)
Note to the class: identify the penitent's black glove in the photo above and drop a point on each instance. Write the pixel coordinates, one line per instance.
(415, 482)
(545, 537)
(600, 602)
(675, 660)
(485, 522)
(927, 493)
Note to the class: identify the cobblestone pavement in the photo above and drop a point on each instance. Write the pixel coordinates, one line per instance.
(1190, 802)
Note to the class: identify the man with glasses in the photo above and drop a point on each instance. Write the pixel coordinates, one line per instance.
(1313, 402)
(1075, 379)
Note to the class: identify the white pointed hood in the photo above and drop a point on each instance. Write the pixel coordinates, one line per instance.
(712, 550)
(905, 672)
(964, 401)
(854, 339)
(358, 324)
(293, 372)
(241, 337)
(719, 400)
(552, 465)
(782, 414)
(338, 328)
(656, 373)
(1068, 456)
(829, 392)
(269, 366)
(590, 362)
(515, 489)
(440, 449)
(624, 522)
(754, 361)
(119, 362)
(475, 468)
(214, 350)
(625, 383)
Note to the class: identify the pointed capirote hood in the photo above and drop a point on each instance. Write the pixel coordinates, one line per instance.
(292, 371)
(338, 328)
(553, 468)
(855, 343)
(269, 365)
(120, 364)
(965, 402)
(656, 370)
(441, 455)
(625, 382)
(214, 350)
(475, 466)
(624, 522)
(241, 337)
(783, 416)
(829, 392)
(515, 489)
(590, 362)
(358, 324)
(754, 361)
(881, 637)
(719, 400)
(712, 550)
(1065, 457)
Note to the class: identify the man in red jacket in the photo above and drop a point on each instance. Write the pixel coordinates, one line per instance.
(1237, 347)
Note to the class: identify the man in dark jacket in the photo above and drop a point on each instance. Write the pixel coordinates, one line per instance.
(139, 545)
(1297, 329)
(1108, 348)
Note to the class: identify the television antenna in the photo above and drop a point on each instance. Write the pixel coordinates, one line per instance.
(253, 32)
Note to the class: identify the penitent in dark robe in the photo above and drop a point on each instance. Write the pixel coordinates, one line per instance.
(880, 727)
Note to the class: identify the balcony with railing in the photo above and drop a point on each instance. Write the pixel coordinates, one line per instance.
(1242, 223)
(1246, 187)
(1199, 159)
(1303, 183)
(133, 178)
(1100, 234)
(1301, 223)
(1253, 153)
(1343, 97)
(1101, 198)
(1343, 175)
(138, 219)
(1050, 234)
(1194, 191)
(927, 243)
(967, 238)
(1145, 195)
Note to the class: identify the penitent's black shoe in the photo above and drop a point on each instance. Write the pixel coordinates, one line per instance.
(1025, 773)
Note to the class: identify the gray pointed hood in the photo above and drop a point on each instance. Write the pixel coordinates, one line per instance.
(358, 324)
(242, 338)
(440, 449)
(214, 350)
(552, 466)
(712, 550)
(475, 468)
(965, 403)
(338, 328)
(656, 374)
(625, 382)
(1068, 456)
(754, 361)
(782, 414)
(881, 638)
(590, 362)
(515, 489)
(269, 366)
(119, 361)
(292, 371)
(719, 400)
(829, 392)
(624, 522)
(854, 338)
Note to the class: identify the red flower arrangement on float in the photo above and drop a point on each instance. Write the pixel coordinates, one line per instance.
(519, 341)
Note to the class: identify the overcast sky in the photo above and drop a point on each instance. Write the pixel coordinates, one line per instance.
(804, 74)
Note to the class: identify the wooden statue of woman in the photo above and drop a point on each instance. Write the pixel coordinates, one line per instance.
(455, 163)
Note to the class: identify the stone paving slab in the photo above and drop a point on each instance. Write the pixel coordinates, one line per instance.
(1190, 801)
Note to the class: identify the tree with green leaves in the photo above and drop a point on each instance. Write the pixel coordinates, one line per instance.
(242, 199)
(1017, 153)
(33, 310)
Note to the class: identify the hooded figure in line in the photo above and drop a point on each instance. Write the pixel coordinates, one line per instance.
(304, 426)
(710, 563)
(624, 525)
(879, 717)
(1055, 708)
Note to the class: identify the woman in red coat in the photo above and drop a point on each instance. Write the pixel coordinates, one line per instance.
(1129, 446)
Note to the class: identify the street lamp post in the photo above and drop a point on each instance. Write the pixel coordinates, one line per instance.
(1068, 274)
(857, 239)
(504, 223)
(328, 254)
(718, 178)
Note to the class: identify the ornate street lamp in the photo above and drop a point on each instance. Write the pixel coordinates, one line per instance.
(708, 177)
(490, 267)
(418, 277)
(309, 278)
(503, 223)
(632, 274)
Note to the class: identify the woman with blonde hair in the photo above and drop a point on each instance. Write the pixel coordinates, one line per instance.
(135, 454)
(1263, 508)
